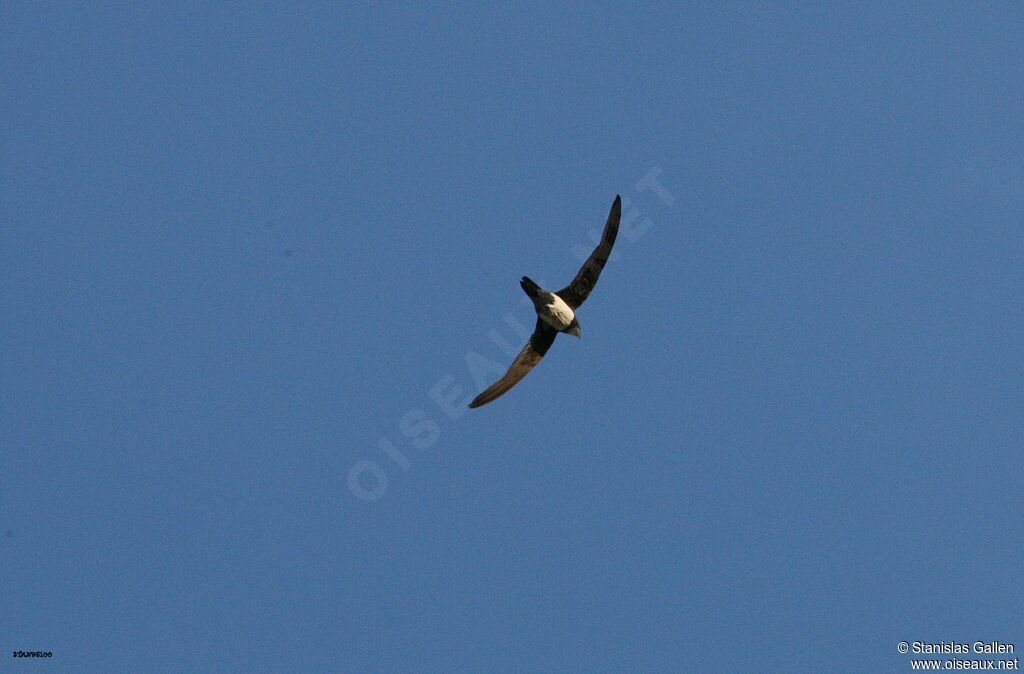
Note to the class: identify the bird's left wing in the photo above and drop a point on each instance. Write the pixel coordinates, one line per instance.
(576, 292)
(541, 340)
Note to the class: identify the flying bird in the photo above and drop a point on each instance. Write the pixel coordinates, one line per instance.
(556, 311)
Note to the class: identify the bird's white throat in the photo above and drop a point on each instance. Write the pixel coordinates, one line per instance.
(555, 312)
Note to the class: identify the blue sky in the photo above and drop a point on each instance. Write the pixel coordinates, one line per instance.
(251, 253)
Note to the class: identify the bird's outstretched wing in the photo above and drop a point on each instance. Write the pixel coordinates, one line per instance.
(576, 292)
(540, 341)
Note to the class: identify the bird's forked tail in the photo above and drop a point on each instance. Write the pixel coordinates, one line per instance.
(529, 287)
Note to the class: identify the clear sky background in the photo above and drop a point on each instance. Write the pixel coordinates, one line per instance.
(251, 254)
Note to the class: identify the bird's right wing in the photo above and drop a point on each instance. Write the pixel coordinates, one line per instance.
(541, 340)
(576, 292)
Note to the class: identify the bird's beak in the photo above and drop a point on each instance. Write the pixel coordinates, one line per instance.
(575, 331)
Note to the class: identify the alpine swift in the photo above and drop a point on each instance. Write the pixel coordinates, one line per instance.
(556, 311)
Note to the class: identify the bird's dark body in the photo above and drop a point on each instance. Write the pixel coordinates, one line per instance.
(551, 307)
